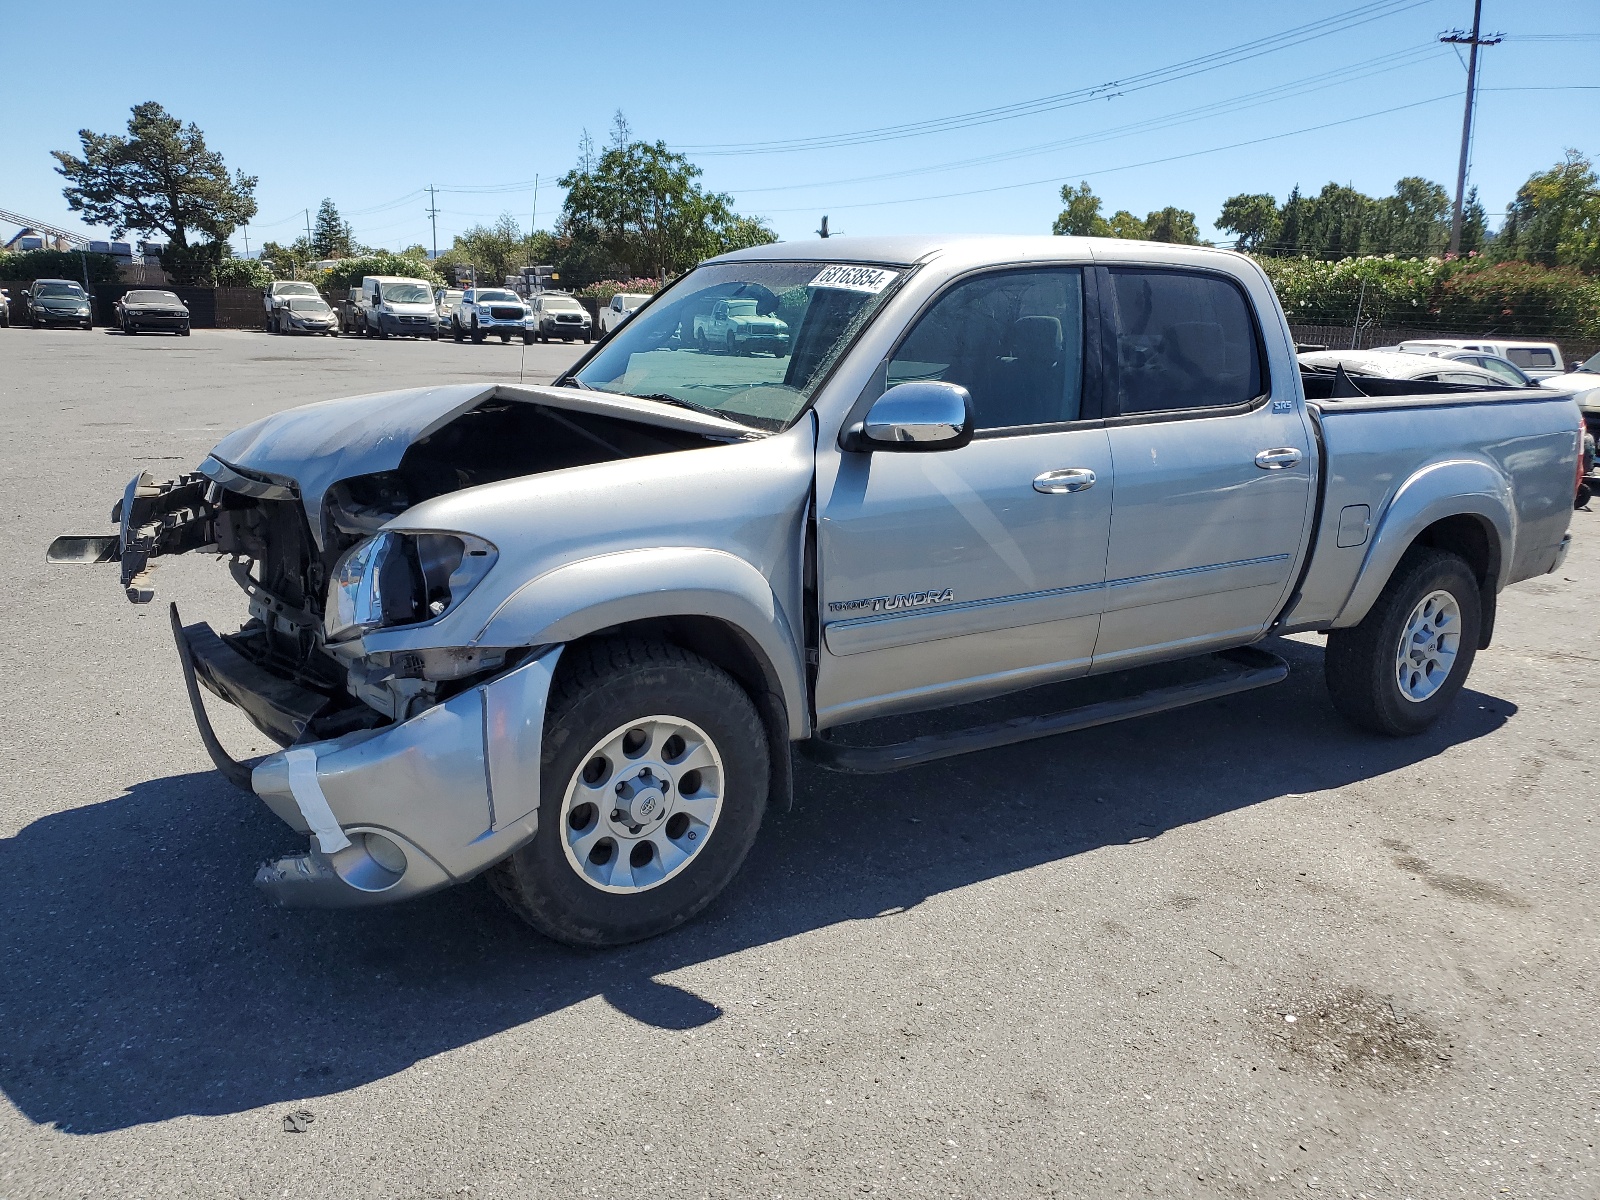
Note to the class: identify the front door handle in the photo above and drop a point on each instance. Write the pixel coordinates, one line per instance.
(1070, 479)
(1278, 459)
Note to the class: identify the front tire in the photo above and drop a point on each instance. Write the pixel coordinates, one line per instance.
(653, 784)
(1398, 670)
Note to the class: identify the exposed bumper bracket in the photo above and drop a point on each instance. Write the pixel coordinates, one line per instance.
(234, 771)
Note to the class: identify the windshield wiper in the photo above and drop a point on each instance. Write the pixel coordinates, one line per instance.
(663, 398)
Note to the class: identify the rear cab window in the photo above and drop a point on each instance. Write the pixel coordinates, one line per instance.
(1185, 340)
(1537, 357)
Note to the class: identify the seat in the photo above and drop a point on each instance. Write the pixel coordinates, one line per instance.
(1030, 382)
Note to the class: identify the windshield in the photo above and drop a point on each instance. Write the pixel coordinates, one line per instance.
(57, 289)
(293, 289)
(1592, 366)
(305, 304)
(151, 298)
(499, 298)
(794, 321)
(407, 293)
(631, 300)
(562, 304)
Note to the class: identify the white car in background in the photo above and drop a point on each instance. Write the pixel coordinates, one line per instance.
(278, 293)
(623, 305)
(1396, 364)
(1539, 359)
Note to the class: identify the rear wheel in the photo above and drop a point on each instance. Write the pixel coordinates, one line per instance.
(1400, 668)
(653, 784)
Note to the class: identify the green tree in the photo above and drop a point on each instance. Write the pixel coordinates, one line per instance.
(1555, 218)
(1172, 225)
(1252, 219)
(1413, 223)
(1291, 224)
(160, 178)
(1474, 224)
(331, 236)
(288, 262)
(493, 251)
(1081, 215)
(1124, 224)
(640, 202)
(1337, 221)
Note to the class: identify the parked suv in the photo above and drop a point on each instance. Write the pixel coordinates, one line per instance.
(58, 302)
(394, 306)
(485, 311)
(556, 314)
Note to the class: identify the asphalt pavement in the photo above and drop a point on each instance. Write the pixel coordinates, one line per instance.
(1239, 950)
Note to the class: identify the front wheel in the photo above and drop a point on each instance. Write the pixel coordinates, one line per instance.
(653, 783)
(184, 331)
(1398, 670)
(527, 339)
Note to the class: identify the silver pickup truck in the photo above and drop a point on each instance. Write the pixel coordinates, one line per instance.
(568, 635)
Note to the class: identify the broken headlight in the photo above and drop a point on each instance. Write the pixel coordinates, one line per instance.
(401, 579)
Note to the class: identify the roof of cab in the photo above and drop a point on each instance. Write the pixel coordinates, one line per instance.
(905, 249)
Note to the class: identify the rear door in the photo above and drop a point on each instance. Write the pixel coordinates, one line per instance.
(958, 573)
(1213, 468)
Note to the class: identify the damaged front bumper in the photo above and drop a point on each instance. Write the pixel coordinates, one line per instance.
(391, 813)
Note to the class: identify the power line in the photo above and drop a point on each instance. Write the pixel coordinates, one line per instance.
(1007, 187)
(1118, 87)
(1322, 80)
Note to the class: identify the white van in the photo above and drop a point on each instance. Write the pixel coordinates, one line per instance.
(393, 306)
(1538, 360)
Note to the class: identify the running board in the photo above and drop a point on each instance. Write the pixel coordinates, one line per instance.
(1252, 668)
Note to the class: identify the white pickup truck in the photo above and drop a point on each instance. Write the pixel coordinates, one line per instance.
(568, 636)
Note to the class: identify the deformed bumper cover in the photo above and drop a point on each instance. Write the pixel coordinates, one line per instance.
(397, 812)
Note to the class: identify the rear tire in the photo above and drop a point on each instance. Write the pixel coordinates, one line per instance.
(561, 882)
(1398, 670)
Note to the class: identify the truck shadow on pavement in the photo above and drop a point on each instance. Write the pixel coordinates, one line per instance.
(146, 979)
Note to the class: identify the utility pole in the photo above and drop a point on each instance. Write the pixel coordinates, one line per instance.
(308, 225)
(433, 215)
(535, 218)
(1474, 40)
(246, 231)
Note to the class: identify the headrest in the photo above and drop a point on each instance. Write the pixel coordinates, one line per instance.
(1199, 344)
(1036, 339)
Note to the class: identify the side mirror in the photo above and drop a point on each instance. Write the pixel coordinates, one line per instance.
(917, 416)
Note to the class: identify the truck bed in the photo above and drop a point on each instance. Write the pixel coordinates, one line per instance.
(1373, 448)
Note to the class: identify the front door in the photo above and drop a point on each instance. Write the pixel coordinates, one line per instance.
(1213, 467)
(949, 575)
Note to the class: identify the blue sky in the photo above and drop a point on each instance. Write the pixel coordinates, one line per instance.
(369, 104)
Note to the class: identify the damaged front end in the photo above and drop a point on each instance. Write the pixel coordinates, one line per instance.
(408, 769)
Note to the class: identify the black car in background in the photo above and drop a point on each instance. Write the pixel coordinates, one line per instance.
(151, 308)
(57, 302)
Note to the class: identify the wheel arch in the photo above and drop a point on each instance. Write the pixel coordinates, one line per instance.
(1464, 507)
(708, 601)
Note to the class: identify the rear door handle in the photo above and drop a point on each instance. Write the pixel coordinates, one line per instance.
(1278, 459)
(1069, 479)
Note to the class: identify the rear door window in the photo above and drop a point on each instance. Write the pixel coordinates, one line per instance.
(1184, 340)
(1013, 339)
(1536, 357)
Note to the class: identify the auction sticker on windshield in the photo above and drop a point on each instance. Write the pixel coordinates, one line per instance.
(848, 278)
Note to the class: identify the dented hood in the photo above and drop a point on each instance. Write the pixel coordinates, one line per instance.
(317, 445)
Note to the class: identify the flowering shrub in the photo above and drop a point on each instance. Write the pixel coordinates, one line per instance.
(1465, 295)
(603, 290)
